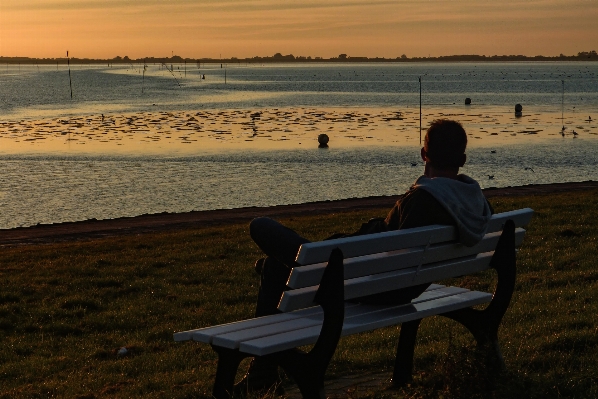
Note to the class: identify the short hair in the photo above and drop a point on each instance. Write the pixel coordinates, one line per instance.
(445, 144)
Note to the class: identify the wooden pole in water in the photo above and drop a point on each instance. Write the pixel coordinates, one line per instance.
(563, 105)
(143, 77)
(420, 110)
(68, 61)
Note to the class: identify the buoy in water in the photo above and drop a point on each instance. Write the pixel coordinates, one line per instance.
(323, 139)
(518, 110)
(467, 101)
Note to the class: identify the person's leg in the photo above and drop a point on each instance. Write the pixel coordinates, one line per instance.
(262, 374)
(273, 282)
(276, 240)
(280, 244)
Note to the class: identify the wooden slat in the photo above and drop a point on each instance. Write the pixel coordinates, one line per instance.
(207, 334)
(232, 340)
(391, 316)
(521, 218)
(382, 318)
(373, 284)
(305, 276)
(316, 252)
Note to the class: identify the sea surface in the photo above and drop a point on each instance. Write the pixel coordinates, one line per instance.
(30, 91)
(73, 185)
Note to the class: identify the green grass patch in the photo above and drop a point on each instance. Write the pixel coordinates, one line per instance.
(66, 309)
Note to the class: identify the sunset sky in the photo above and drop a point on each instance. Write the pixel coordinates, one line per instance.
(323, 28)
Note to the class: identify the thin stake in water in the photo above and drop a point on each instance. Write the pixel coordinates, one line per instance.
(563, 105)
(143, 76)
(68, 61)
(420, 110)
(172, 73)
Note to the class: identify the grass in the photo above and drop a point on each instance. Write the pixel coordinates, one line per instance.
(66, 309)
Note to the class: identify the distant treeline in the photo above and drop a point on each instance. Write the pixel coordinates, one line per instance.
(278, 57)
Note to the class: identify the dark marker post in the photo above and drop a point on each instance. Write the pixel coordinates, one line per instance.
(420, 110)
(143, 76)
(68, 61)
(563, 105)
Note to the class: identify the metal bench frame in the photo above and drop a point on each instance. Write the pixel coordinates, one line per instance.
(308, 369)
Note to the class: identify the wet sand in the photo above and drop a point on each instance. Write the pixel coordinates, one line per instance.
(94, 229)
(193, 132)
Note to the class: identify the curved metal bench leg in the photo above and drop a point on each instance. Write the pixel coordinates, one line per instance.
(484, 324)
(404, 360)
(228, 364)
(308, 369)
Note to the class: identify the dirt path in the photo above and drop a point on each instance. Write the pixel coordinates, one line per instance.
(90, 229)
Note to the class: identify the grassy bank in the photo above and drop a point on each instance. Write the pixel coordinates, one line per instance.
(66, 309)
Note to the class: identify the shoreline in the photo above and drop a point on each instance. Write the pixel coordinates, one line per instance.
(162, 222)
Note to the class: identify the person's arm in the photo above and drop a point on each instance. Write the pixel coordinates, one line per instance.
(417, 208)
(374, 225)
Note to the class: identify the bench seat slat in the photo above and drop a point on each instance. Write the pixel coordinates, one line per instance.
(374, 284)
(305, 276)
(233, 339)
(316, 252)
(207, 334)
(382, 318)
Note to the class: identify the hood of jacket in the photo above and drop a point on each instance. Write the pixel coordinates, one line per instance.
(464, 201)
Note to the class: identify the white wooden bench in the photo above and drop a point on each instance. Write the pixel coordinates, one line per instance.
(333, 271)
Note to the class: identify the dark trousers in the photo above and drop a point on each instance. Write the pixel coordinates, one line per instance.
(280, 244)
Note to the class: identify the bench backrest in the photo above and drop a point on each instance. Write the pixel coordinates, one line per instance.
(386, 261)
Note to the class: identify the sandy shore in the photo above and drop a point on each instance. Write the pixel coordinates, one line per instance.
(91, 229)
(192, 132)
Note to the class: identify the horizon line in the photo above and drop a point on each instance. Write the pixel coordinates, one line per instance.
(278, 57)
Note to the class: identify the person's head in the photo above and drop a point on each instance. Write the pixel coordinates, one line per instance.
(444, 148)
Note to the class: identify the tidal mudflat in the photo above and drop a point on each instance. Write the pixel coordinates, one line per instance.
(198, 131)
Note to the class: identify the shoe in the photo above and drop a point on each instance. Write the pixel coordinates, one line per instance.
(259, 265)
(261, 377)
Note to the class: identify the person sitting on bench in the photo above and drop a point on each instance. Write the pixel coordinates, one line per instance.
(440, 196)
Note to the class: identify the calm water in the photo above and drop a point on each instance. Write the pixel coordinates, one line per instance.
(28, 91)
(55, 188)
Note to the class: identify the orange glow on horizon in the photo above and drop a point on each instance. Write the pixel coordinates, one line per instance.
(247, 28)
